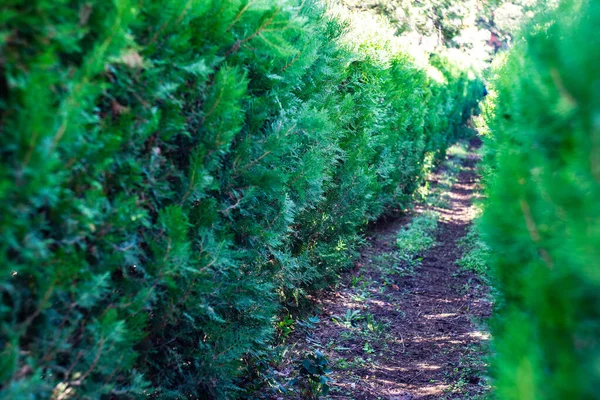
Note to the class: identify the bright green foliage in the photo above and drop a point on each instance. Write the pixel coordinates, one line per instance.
(475, 254)
(418, 236)
(542, 219)
(172, 170)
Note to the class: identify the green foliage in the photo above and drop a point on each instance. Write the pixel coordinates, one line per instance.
(313, 376)
(542, 218)
(417, 237)
(172, 171)
(285, 326)
(374, 327)
(475, 254)
(349, 319)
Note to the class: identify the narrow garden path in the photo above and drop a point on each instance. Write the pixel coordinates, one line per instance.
(400, 328)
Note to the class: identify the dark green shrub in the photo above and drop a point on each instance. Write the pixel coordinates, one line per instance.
(542, 217)
(172, 170)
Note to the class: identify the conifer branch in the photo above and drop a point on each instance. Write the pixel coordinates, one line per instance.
(39, 309)
(237, 203)
(30, 150)
(52, 348)
(166, 23)
(561, 87)
(113, 372)
(245, 167)
(100, 51)
(239, 15)
(80, 354)
(166, 257)
(79, 381)
(260, 29)
(534, 233)
(292, 62)
(213, 107)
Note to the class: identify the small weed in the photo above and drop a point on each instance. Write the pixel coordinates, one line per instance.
(375, 327)
(418, 236)
(361, 296)
(347, 320)
(313, 378)
(310, 323)
(358, 362)
(355, 280)
(475, 255)
(285, 327)
(394, 264)
(347, 335)
(342, 364)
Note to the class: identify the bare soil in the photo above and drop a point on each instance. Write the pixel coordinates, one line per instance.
(417, 335)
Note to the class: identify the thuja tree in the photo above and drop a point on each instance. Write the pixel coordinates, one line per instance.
(542, 217)
(173, 170)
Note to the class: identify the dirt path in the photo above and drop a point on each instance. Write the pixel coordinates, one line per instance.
(401, 332)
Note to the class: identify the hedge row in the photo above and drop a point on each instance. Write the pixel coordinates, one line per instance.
(172, 171)
(542, 218)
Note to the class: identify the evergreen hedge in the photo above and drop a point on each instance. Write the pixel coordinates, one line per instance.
(542, 218)
(174, 170)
